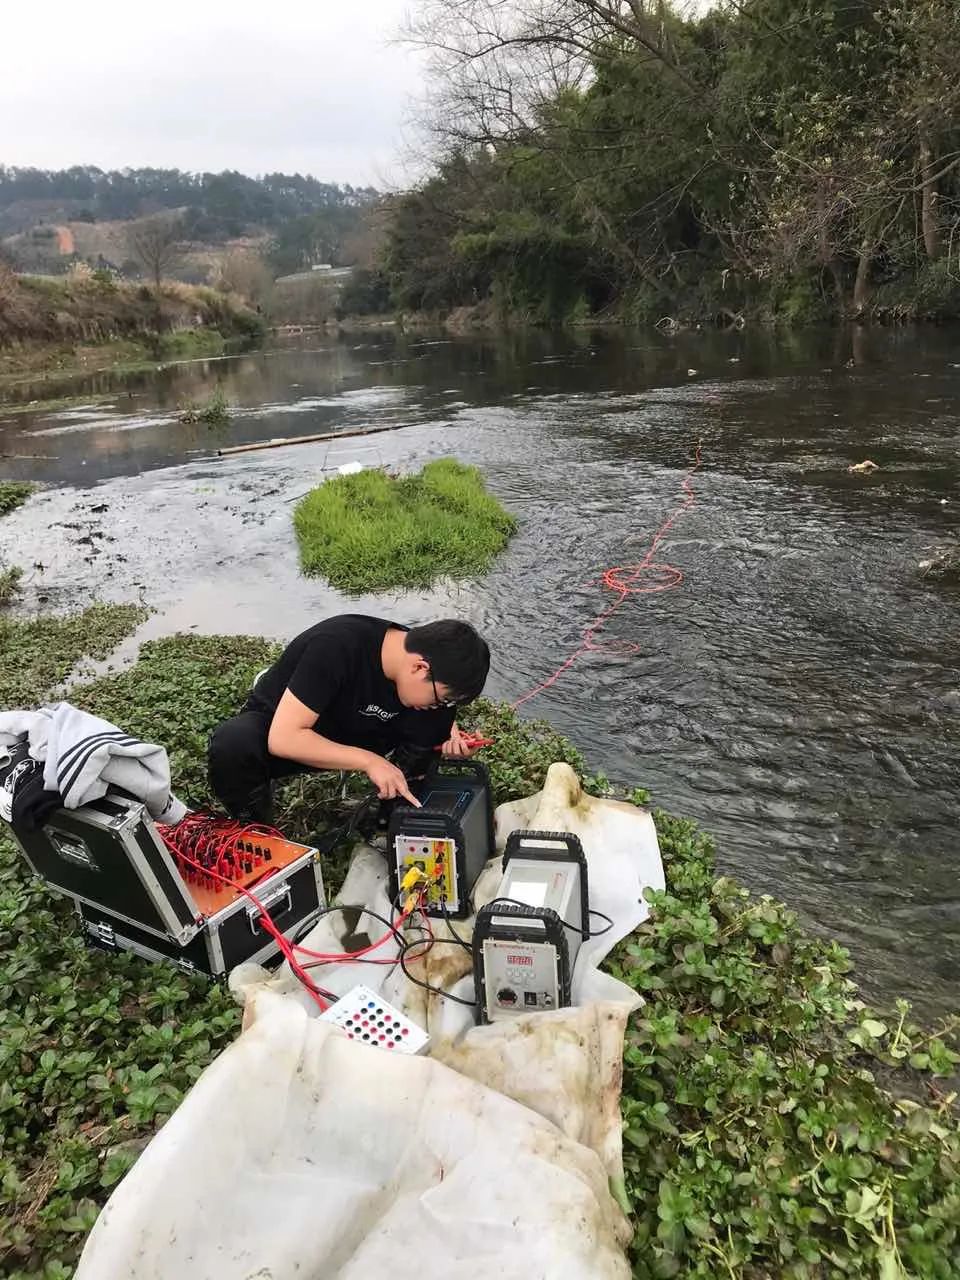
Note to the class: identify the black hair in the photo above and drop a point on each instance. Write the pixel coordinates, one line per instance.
(458, 656)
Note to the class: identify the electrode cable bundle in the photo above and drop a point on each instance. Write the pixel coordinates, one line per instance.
(208, 849)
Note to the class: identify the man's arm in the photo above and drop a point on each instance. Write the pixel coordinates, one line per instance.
(438, 731)
(292, 737)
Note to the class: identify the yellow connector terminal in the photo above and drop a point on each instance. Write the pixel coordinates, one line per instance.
(412, 884)
(415, 876)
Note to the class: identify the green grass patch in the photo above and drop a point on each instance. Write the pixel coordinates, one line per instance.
(773, 1125)
(36, 362)
(13, 494)
(373, 531)
(191, 344)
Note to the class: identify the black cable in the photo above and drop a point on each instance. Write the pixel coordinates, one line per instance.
(515, 902)
(446, 995)
(312, 986)
(326, 911)
(405, 947)
(456, 937)
(328, 840)
(600, 932)
(327, 995)
(408, 946)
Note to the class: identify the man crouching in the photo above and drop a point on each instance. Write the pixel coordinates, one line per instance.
(344, 695)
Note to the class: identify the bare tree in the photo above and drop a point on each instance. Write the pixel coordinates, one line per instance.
(499, 72)
(245, 273)
(493, 65)
(154, 245)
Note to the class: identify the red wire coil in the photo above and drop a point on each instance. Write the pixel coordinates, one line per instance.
(645, 578)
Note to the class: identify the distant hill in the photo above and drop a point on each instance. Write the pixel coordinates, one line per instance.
(51, 218)
(218, 206)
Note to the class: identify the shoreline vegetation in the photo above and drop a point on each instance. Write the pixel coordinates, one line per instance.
(663, 163)
(13, 494)
(54, 327)
(199, 323)
(85, 327)
(32, 363)
(773, 1125)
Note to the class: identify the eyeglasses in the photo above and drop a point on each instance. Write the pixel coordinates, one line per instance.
(437, 700)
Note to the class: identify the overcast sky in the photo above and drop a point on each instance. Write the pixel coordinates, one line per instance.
(309, 86)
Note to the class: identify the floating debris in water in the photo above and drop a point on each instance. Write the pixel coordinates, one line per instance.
(944, 564)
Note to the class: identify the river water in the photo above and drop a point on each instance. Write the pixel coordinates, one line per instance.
(798, 694)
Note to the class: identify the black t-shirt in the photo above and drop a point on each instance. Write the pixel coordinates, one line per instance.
(335, 669)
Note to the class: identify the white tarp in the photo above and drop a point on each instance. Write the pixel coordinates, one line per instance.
(301, 1155)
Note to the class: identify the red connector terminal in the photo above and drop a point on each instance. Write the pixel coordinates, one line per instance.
(473, 741)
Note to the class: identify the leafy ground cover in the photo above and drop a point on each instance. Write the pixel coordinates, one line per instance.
(9, 583)
(39, 653)
(773, 1125)
(372, 531)
(13, 494)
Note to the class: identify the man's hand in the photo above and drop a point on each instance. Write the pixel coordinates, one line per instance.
(389, 780)
(458, 746)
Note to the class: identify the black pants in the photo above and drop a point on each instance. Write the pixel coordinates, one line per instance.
(241, 769)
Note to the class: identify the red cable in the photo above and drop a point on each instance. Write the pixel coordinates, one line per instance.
(623, 581)
(266, 919)
(336, 958)
(473, 741)
(221, 838)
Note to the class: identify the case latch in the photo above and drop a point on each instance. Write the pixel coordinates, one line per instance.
(103, 933)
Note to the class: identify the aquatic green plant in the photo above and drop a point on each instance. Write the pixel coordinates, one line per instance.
(373, 530)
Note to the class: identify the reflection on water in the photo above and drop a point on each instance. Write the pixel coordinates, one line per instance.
(797, 695)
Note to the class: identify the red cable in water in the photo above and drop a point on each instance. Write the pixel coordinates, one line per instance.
(625, 581)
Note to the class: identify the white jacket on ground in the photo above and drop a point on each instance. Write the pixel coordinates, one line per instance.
(83, 756)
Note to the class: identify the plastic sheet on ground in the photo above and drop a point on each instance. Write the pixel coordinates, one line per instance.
(301, 1154)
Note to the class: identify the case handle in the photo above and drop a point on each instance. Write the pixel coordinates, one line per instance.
(282, 894)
